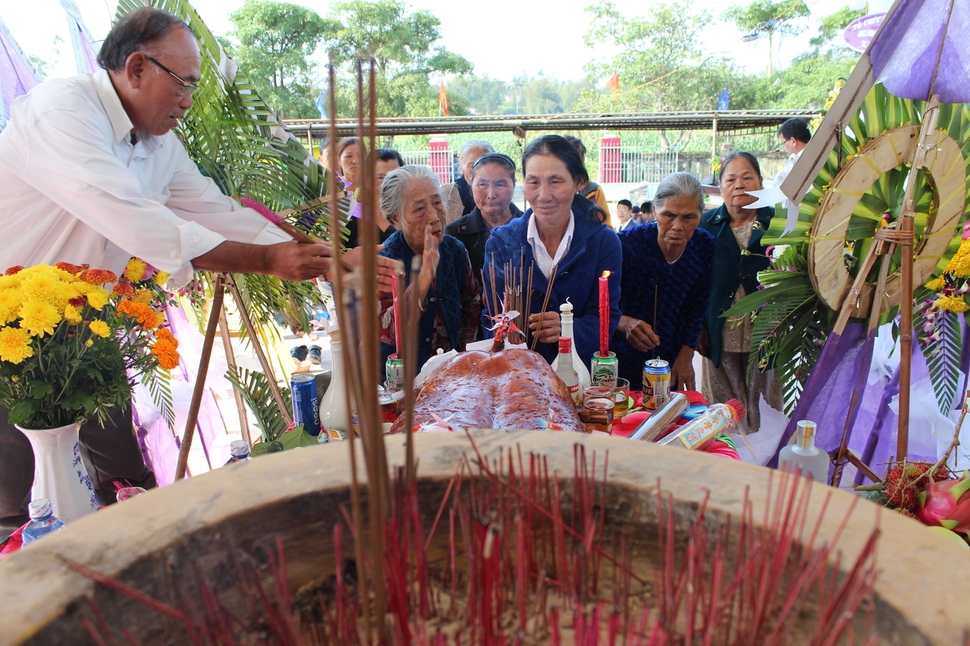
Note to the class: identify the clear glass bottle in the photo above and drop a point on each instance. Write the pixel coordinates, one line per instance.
(42, 521)
(238, 451)
(565, 369)
(803, 455)
(334, 414)
(566, 313)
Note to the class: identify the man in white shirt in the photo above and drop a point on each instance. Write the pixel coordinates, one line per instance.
(624, 213)
(91, 172)
(794, 136)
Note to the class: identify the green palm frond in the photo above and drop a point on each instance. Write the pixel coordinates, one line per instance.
(790, 321)
(255, 391)
(159, 385)
(941, 344)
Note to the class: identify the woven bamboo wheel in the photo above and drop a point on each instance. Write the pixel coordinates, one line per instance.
(946, 175)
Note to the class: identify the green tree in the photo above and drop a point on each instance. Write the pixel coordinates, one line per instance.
(768, 18)
(275, 40)
(481, 95)
(806, 83)
(409, 57)
(662, 63)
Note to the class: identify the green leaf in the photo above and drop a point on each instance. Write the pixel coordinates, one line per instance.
(23, 411)
(792, 287)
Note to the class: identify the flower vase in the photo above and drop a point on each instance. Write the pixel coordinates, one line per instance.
(59, 473)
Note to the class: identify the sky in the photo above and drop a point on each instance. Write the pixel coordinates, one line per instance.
(502, 38)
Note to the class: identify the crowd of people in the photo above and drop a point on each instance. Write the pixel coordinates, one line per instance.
(675, 265)
(94, 158)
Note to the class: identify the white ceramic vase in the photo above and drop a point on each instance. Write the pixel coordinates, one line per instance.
(59, 473)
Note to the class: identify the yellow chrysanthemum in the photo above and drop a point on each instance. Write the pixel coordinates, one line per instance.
(143, 296)
(97, 297)
(11, 300)
(72, 315)
(161, 318)
(135, 270)
(15, 345)
(951, 304)
(959, 265)
(39, 317)
(41, 285)
(936, 284)
(10, 282)
(161, 277)
(99, 328)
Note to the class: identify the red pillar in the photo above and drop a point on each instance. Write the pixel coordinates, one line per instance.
(610, 163)
(439, 159)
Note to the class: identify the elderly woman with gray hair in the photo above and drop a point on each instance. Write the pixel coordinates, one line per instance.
(448, 294)
(667, 266)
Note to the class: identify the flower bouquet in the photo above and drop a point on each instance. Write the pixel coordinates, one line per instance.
(73, 339)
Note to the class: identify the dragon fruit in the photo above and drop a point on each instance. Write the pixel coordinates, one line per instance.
(946, 504)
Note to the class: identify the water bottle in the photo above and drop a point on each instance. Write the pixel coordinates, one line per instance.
(698, 433)
(42, 520)
(238, 451)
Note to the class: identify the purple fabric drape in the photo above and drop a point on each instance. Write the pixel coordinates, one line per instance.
(16, 74)
(913, 39)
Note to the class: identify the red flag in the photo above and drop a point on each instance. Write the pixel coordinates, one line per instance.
(614, 82)
(443, 98)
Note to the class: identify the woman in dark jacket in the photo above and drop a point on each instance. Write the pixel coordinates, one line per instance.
(563, 232)
(738, 257)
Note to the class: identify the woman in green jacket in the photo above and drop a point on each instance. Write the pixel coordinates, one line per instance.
(738, 257)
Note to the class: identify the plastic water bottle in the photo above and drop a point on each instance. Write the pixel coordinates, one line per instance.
(42, 521)
(698, 433)
(238, 451)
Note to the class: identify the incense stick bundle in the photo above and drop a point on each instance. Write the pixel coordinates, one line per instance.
(545, 304)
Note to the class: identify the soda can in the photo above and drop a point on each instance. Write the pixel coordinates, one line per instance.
(656, 383)
(604, 370)
(306, 405)
(395, 373)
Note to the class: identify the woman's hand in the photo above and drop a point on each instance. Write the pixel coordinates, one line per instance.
(682, 372)
(639, 334)
(429, 260)
(546, 326)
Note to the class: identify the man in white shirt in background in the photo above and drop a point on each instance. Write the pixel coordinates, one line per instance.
(624, 213)
(91, 173)
(793, 135)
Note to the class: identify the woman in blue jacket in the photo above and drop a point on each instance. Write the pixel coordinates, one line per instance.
(561, 231)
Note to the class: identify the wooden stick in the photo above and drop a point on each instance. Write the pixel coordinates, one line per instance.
(264, 362)
(199, 389)
(545, 304)
(840, 456)
(528, 302)
(231, 361)
(355, 502)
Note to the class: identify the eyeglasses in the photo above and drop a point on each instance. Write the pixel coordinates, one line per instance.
(187, 89)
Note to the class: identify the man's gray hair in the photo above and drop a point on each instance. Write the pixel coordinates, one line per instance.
(392, 190)
(133, 33)
(473, 144)
(679, 185)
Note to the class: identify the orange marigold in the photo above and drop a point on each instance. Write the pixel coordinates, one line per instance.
(165, 348)
(13, 270)
(98, 276)
(124, 289)
(69, 268)
(146, 316)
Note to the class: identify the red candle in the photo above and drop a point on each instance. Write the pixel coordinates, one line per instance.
(397, 316)
(605, 313)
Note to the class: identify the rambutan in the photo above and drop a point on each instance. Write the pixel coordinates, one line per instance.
(905, 480)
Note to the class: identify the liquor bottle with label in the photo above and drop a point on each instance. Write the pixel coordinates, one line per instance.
(803, 455)
(565, 369)
(566, 313)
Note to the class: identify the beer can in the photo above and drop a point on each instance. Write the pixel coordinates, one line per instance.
(656, 383)
(306, 405)
(604, 370)
(395, 373)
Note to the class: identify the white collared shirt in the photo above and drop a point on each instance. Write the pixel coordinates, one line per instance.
(74, 188)
(544, 261)
(787, 168)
